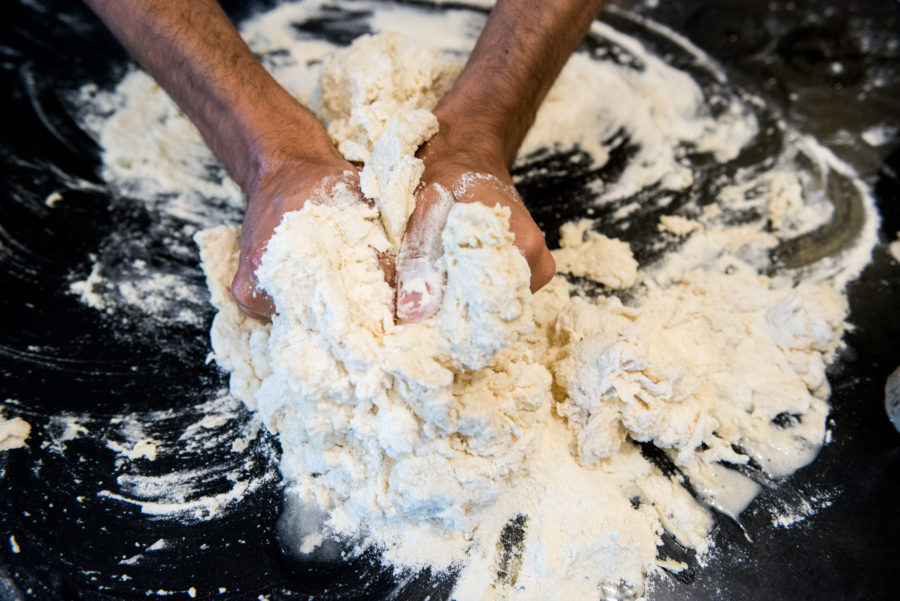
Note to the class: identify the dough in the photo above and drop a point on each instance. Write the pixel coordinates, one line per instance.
(425, 440)
(379, 115)
(399, 422)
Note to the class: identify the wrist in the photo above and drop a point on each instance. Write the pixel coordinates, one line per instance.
(277, 133)
(465, 140)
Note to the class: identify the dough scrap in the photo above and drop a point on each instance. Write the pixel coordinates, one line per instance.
(13, 433)
(586, 253)
(678, 225)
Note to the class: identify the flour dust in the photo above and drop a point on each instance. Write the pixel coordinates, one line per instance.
(537, 446)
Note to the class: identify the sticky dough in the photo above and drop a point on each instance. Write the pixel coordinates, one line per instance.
(424, 439)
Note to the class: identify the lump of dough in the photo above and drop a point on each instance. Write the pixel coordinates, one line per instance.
(13, 433)
(586, 253)
(376, 97)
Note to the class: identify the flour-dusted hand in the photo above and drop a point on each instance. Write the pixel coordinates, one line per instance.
(445, 182)
(482, 121)
(286, 186)
(272, 146)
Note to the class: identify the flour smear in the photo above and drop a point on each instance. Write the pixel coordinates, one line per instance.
(537, 446)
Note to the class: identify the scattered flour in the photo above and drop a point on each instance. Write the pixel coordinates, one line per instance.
(130, 440)
(788, 516)
(85, 289)
(142, 448)
(186, 462)
(504, 413)
(670, 105)
(793, 199)
(135, 286)
(175, 494)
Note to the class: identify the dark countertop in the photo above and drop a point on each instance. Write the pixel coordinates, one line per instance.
(58, 356)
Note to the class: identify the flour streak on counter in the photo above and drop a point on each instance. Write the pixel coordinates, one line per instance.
(145, 445)
(185, 494)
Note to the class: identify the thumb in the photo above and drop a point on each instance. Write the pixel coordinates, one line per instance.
(419, 279)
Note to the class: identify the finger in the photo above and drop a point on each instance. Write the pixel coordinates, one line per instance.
(419, 280)
(541, 262)
(528, 237)
(249, 297)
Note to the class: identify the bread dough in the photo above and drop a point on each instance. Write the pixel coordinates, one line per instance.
(379, 115)
(399, 422)
(424, 440)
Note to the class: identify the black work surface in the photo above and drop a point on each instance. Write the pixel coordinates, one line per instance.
(58, 355)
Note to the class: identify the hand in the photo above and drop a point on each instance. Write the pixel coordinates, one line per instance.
(455, 175)
(483, 119)
(284, 185)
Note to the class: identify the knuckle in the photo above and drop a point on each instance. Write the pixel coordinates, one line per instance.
(542, 272)
(250, 300)
(531, 241)
(242, 293)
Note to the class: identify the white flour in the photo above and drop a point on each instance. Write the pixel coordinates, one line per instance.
(181, 493)
(789, 516)
(672, 116)
(217, 432)
(507, 416)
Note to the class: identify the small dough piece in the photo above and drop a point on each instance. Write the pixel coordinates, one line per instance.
(589, 254)
(894, 248)
(13, 433)
(680, 226)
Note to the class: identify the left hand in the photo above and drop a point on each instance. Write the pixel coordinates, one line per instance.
(459, 173)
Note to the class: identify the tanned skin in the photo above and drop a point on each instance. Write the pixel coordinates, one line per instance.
(279, 154)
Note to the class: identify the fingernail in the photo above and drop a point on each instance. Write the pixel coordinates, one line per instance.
(412, 300)
(417, 300)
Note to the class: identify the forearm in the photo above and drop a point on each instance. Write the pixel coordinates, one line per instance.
(195, 53)
(522, 49)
